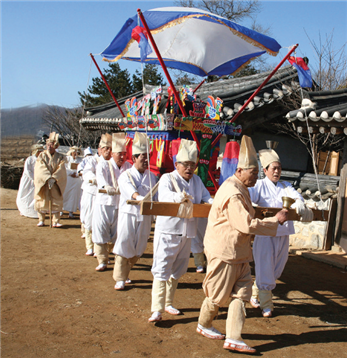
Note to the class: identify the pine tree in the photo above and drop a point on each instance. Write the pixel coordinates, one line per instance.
(117, 79)
(151, 76)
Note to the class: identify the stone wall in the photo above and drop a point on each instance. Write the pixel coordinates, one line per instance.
(310, 235)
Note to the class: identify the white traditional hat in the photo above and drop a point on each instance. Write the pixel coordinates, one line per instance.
(35, 148)
(53, 138)
(106, 141)
(247, 154)
(187, 151)
(268, 156)
(118, 142)
(139, 145)
(87, 151)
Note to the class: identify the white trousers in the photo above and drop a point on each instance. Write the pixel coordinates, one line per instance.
(132, 235)
(104, 224)
(86, 209)
(197, 245)
(171, 254)
(270, 257)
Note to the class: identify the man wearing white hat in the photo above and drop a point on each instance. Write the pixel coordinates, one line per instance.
(105, 215)
(227, 246)
(87, 156)
(133, 228)
(87, 201)
(271, 252)
(50, 181)
(172, 235)
(25, 195)
(72, 194)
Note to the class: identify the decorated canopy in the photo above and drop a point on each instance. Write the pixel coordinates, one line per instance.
(191, 40)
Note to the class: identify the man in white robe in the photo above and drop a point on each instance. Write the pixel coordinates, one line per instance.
(87, 201)
(105, 216)
(172, 235)
(133, 228)
(72, 194)
(271, 252)
(25, 195)
(87, 155)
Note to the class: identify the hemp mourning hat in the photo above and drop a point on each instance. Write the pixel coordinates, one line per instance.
(73, 149)
(53, 138)
(187, 151)
(118, 142)
(268, 156)
(139, 145)
(35, 148)
(106, 141)
(247, 154)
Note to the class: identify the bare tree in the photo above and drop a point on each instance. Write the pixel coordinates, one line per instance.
(65, 122)
(235, 10)
(330, 71)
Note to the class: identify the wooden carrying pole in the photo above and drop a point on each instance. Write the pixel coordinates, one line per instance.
(106, 83)
(202, 210)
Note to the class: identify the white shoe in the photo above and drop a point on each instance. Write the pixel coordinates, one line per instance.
(254, 302)
(172, 310)
(101, 267)
(128, 281)
(200, 269)
(156, 317)
(266, 312)
(89, 252)
(119, 285)
(211, 332)
(40, 224)
(61, 213)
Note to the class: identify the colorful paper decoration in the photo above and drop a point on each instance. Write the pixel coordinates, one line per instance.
(213, 108)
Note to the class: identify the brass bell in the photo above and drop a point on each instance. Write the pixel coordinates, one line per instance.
(287, 202)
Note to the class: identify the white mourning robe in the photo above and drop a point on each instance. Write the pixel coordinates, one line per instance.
(88, 196)
(172, 235)
(133, 228)
(271, 253)
(105, 214)
(72, 193)
(25, 195)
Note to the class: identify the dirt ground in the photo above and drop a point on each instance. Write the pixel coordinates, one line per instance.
(54, 303)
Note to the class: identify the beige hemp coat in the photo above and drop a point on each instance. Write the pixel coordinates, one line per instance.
(231, 224)
(47, 167)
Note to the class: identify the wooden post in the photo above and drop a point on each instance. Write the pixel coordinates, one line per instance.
(328, 240)
(340, 205)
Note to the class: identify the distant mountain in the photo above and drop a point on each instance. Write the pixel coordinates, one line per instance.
(26, 120)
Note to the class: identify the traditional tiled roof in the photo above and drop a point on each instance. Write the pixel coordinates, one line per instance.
(322, 106)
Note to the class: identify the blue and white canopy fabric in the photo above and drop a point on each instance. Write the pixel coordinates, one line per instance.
(194, 41)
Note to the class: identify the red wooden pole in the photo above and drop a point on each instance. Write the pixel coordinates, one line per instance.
(109, 89)
(198, 86)
(160, 59)
(183, 111)
(256, 92)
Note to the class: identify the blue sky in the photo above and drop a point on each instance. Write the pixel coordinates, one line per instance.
(46, 44)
